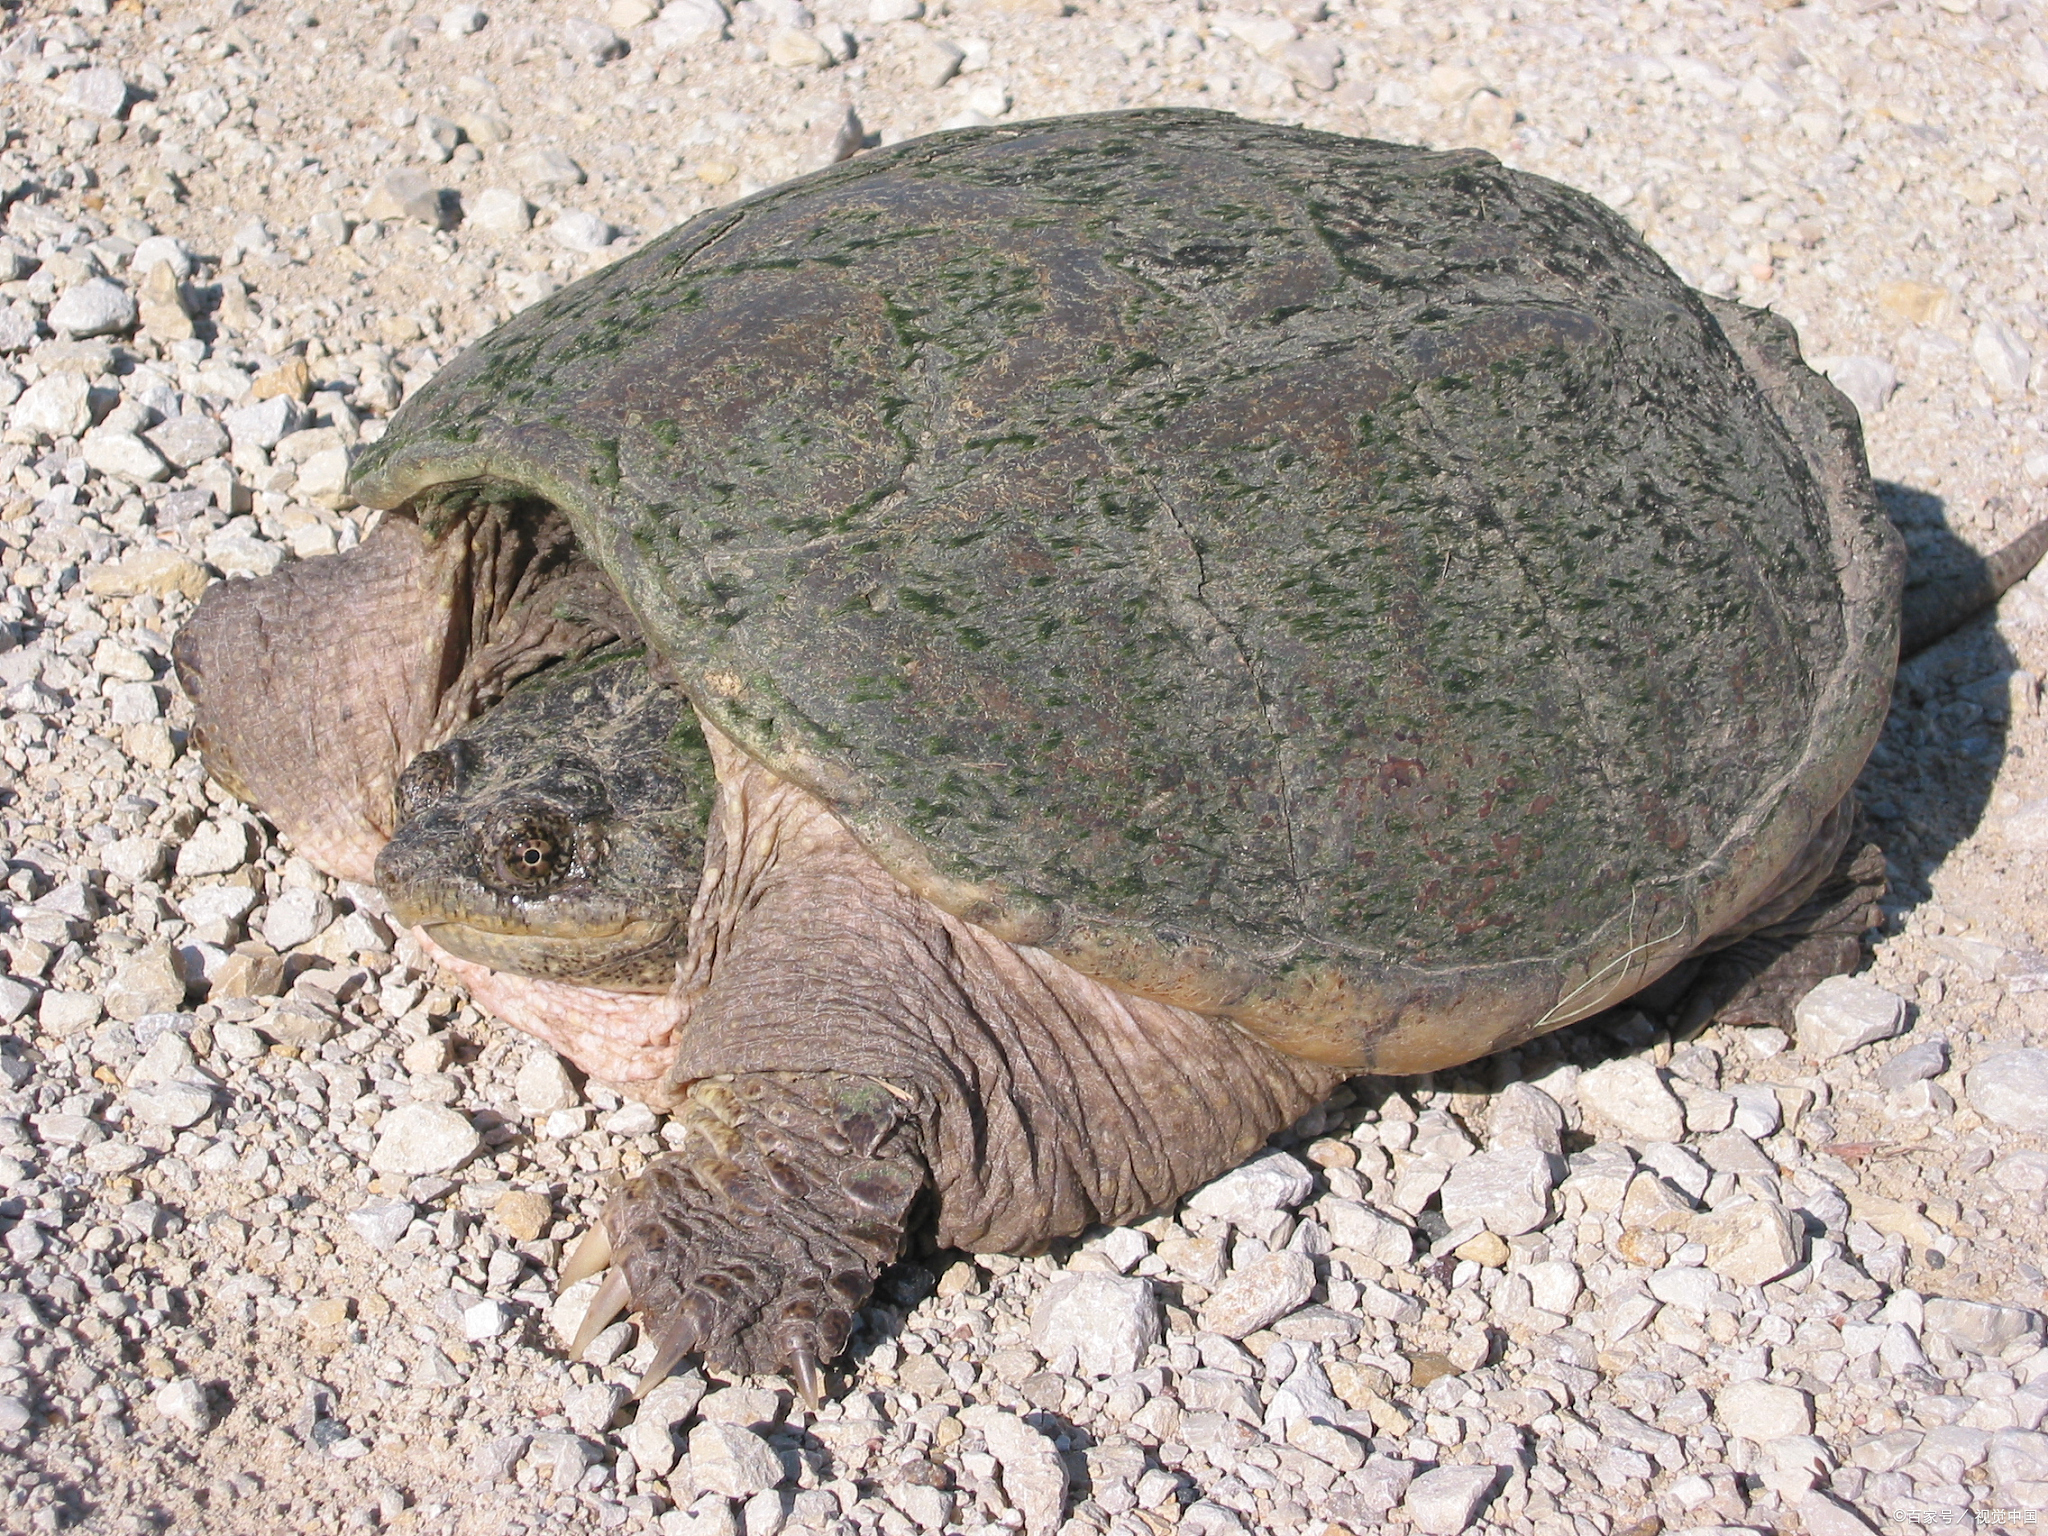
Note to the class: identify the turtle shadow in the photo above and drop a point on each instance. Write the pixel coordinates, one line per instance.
(1930, 777)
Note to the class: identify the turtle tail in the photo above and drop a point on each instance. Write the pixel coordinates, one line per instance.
(1939, 604)
(755, 1242)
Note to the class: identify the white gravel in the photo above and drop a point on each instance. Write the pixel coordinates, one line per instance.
(280, 1213)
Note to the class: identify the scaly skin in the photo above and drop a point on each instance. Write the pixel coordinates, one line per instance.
(754, 1244)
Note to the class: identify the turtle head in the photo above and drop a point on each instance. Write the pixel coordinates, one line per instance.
(561, 835)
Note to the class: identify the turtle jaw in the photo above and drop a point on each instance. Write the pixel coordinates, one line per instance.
(640, 956)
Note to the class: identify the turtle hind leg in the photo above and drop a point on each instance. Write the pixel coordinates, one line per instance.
(1760, 977)
(753, 1244)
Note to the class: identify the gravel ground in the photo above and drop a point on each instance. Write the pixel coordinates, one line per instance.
(281, 1212)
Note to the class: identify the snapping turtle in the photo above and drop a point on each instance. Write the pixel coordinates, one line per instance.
(1181, 611)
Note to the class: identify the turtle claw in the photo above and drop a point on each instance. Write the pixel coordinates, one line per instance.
(676, 1340)
(808, 1380)
(591, 1255)
(608, 1303)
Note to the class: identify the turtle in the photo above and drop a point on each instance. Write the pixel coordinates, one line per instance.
(1180, 612)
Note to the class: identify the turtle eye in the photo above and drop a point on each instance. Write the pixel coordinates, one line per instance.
(427, 778)
(531, 851)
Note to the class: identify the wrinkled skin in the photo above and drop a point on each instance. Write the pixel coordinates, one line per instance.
(996, 931)
(560, 836)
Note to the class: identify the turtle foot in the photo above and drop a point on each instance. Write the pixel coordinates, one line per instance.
(1760, 978)
(754, 1243)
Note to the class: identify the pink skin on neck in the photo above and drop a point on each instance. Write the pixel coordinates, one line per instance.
(627, 1039)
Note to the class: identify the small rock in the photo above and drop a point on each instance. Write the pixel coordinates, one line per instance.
(297, 1021)
(250, 970)
(2004, 358)
(1757, 1111)
(1446, 1500)
(461, 20)
(148, 981)
(175, 1105)
(136, 703)
(683, 22)
(1525, 1116)
(381, 1223)
(56, 405)
(264, 423)
(19, 327)
(1356, 1225)
(1921, 303)
(1034, 1475)
(1259, 1295)
(1486, 1249)
(95, 307)
(1687, 1286)
(410, 195)
(1629, 1094)
(1110, 1320)
(65, 1013)
(14, 1416)
(501, 211)
(124, 456)
(238, 1042)
(2011, 1089)
(1508, 1191)
(184, 1403)
(423, 1138)
(839, 137)
(154, 572)
(934, 60)
(543, 1085)
(1916, 1063)
(1272, 1181)
(564, 1456)
(546, 170)
(1760, 1410)
(1846, 1013)
(1822, 1514)
(190, 439)
(590, 1409)
(160, 304)
(733, 1460)
(1869, 382)
(163, 250)
(1731, 1151)
(632, 1119)
(1751, 1243)
(16, 998)
(484, 1320)
(592, 41)
(97, 92)
(1979, 1327)
(524, 1213)
(790, 48)
(577, 231)
(296, 917)
(1554, 1285)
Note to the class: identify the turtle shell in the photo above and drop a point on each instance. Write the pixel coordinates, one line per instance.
(1354, 590)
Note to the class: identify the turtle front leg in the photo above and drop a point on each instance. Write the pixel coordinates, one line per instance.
(1031, 1100)
(755, 1242)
